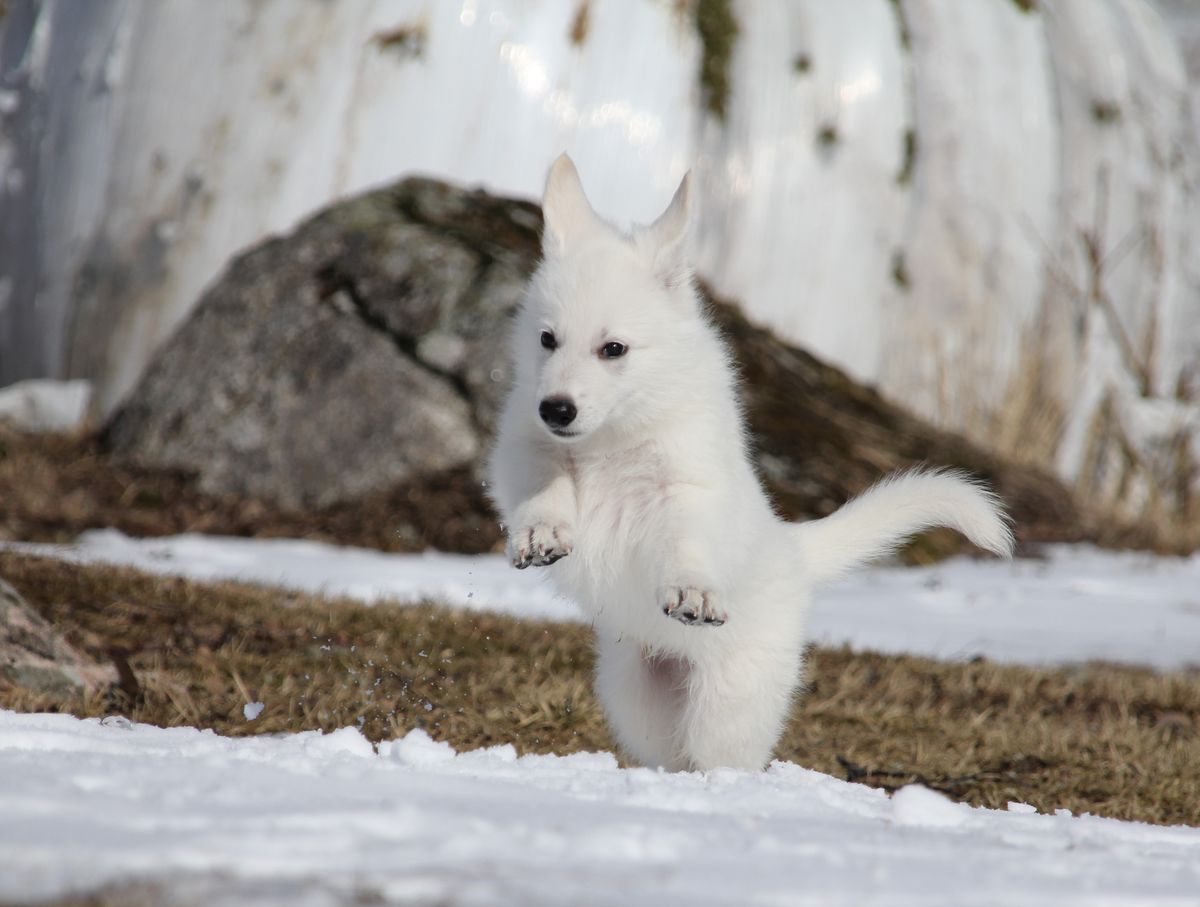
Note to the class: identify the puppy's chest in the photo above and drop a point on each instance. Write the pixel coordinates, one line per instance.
(619, 500)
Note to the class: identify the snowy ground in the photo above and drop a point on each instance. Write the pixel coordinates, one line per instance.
(1077, 603)
(311, 819)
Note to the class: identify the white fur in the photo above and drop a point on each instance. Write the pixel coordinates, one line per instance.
(655, 504)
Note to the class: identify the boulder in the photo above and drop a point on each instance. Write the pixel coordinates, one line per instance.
(365, 351)
(34, 656)
(360, 352)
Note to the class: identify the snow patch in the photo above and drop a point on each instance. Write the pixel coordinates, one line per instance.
(41, 405)
(344, 740)
(914, 804)
(418, 748)
(317, 818)
(251, 710)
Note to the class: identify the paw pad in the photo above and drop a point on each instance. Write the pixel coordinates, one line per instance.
(692, 606)
(538, 546)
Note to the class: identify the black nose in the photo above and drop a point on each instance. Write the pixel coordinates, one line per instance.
(557, 412)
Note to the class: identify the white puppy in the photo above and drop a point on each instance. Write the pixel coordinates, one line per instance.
(621, 468)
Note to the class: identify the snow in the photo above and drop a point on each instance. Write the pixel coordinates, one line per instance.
(917, 805)
(316, 819)
(1079, 603)
(1076, 603)
(42, 405)
(251, 710)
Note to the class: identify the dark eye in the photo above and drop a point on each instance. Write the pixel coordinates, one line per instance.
(613, 350)
(548, 340)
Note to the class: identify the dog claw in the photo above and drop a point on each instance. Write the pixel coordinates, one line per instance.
(538, 546)
(693, 607)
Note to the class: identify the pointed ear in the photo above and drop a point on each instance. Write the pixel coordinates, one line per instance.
(565, 208)
(668, 237)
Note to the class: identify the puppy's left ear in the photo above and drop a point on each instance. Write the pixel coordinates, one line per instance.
(668, 237)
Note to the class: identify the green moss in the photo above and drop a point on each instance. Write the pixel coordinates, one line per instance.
(718, 30)
(902, 24)
(900, 271)
(1105, 111)
(909, 162)
(581, 23)
(828, 139)
(405, 40)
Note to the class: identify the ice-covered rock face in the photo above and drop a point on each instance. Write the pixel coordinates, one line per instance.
(985, 208)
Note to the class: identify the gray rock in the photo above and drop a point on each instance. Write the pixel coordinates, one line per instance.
(35, 657)
(357, 353)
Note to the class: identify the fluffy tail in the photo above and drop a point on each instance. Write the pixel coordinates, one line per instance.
(878, 521)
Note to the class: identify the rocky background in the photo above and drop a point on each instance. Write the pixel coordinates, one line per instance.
(986, 210)
(365, 352)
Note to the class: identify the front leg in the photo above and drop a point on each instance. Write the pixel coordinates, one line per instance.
(532, 487)
(687, 592)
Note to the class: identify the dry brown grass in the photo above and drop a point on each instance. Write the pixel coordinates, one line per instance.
(1101, 739)
(53, 487)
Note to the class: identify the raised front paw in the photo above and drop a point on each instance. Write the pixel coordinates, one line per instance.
(692, 606)
(538, 545)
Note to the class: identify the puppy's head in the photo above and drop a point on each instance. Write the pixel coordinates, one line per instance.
(607, 319)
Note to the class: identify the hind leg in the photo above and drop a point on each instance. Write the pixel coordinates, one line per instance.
(643, 699)
(736, 707)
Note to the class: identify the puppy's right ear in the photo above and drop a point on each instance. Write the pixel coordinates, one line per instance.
(669, 234)
(565, 208)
